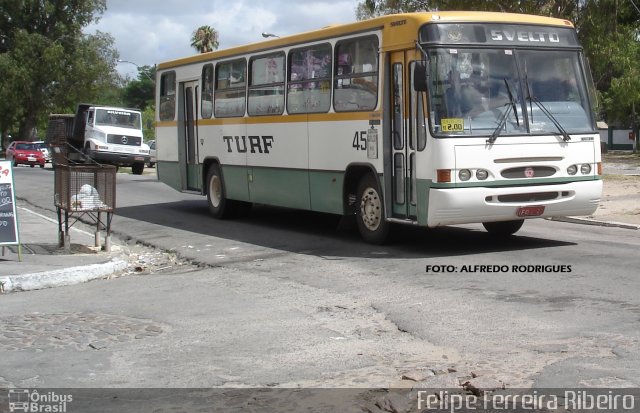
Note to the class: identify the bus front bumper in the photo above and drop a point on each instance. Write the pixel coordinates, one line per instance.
(486, 204)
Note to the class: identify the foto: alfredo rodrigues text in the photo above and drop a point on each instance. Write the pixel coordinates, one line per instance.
(485, 268)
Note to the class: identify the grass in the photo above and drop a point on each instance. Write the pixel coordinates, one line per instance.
(624, 157)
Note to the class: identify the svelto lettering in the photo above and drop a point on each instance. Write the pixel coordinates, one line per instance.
(522, 36)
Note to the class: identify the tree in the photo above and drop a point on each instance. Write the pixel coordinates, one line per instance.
(557, 8)
(50, 63)
(205, 39)
(148, 119)
(609, 32)
(140, 93)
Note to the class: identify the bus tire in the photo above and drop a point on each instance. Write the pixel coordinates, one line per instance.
(137, 168)
(503, 228)
(370, 216)
(219, 206)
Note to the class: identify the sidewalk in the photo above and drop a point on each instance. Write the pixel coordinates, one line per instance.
(45, 265)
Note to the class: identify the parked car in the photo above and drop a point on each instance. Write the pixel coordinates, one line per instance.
(25, 153)
(45, 149)
(152, 153)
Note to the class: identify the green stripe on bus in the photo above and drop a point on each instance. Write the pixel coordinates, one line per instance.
(169, 173)
(319, 191)
(326, 191)
(236, 182)
(280, 187)
(514, 182)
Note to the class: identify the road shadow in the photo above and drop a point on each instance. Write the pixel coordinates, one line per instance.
(321, 234)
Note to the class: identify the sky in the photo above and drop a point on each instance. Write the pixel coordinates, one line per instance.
(148, 32)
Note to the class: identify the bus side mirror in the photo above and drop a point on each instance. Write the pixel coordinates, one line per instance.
(420, 77)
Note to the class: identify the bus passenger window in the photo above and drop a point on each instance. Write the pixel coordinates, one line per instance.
(230, 93)
(266, 85)
(167, 109)
(207, 92)
(309, 86)
(356, 75)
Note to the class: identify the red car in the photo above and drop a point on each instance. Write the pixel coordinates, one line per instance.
(26, 153)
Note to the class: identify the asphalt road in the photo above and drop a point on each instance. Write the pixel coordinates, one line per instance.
(289, 298)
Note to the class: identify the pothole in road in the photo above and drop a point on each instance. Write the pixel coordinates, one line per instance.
(145, 260)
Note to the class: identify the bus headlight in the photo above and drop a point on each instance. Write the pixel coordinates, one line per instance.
(572, 170)
(482, 174)
(464, 174)
(585, 169)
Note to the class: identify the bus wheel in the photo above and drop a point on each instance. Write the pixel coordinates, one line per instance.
(503, 228)
(219, 205)
(370, 217)
(137, 168)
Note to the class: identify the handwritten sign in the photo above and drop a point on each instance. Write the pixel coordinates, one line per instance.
(8, 217)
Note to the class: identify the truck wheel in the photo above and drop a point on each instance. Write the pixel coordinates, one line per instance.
(370, 216)
(219, 206)
(503, 228)
(137, 168)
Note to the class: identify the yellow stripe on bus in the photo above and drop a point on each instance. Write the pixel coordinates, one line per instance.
(311, 117)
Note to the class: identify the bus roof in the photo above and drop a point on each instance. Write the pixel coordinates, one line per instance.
(402, 31)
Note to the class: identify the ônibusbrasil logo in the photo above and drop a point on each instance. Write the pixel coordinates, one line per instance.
(32, 401)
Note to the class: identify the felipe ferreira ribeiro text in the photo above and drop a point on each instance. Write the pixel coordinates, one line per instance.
(515, 268)
(572, 400)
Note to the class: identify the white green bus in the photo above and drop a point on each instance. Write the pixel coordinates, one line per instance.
(427, 119)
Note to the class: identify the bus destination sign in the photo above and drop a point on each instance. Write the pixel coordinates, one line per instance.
(514, 35)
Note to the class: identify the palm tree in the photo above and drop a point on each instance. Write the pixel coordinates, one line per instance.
(204, 39)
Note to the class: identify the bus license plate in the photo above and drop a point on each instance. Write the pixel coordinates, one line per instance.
(530, 211)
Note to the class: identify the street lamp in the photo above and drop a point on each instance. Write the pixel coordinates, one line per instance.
(267, 35)
(139, 68)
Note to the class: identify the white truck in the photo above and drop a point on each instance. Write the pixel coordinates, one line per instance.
(110, 135)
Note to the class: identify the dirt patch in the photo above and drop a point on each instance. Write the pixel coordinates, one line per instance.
(621, 192)
(620, 199)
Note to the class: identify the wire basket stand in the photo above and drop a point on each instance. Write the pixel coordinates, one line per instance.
(84, 189)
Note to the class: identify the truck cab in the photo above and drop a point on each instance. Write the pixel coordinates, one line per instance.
(112, 135)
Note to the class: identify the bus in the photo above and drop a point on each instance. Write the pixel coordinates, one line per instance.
(429, 119)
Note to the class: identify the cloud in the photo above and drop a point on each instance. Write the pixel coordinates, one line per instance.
(147, 32)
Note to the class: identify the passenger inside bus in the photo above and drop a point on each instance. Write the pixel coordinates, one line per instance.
(461, 99)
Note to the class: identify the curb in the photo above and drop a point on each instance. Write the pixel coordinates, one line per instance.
(590, 221)
(62, 277)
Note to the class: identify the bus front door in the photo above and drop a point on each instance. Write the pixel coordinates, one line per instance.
(403, 153)
(188, 136)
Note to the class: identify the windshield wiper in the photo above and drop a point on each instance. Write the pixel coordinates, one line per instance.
(565, 135)
(543, 108)
(511, 105)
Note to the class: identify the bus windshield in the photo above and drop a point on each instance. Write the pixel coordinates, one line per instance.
(485, 92)
(119, 118)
